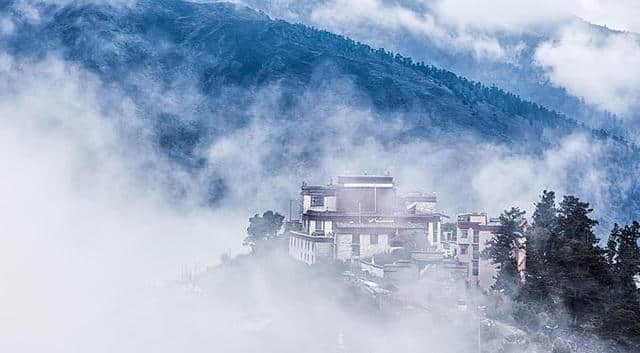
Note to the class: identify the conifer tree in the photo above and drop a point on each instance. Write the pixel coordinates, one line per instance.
(536, 286)
(578, 266)
(623, 309)
(501, 250)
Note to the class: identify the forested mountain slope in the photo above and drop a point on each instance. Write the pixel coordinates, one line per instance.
(222, 45)
(198, 72)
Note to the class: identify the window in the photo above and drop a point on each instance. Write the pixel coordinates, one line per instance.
(317, 201)
(464, 233)
(319, 225)
(476, 268)
(355, 238)
(464, 249)
(476, 236)
(476, 251)
(374, 239)
(435, 237)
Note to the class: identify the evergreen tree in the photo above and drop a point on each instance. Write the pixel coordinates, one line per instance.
(501, 250)
(536, 286)
(625, 258)
(623, 255)
(578, 266)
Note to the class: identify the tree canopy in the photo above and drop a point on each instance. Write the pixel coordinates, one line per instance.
(263, 228)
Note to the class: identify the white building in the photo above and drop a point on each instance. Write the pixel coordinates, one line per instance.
(361, 216)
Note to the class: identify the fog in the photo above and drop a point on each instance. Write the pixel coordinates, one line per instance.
(98, 226)
(556, 41)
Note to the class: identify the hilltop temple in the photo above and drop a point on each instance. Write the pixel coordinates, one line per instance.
(361, 218)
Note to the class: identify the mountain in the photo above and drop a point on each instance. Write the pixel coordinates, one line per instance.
(515, 68)
(223, 45)
(215, 60)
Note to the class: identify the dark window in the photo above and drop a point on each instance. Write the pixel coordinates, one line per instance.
(435, 237)
(317, 201)
(476, 236)
(476, 252)
(374, 238)
(355, 244)
(319, 225)
(464, 233)
(475, 268)
(463, 249)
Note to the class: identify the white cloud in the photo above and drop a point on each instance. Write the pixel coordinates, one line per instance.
(357, 16)
(617, 14)
(83, 225)
(499, 15)
(602, 68)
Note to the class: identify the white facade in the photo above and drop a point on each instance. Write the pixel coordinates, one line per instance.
(352, 245)
(361, 215)
(309, 250)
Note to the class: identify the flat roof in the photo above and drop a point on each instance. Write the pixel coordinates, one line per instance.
(402, 214)
(364, 179)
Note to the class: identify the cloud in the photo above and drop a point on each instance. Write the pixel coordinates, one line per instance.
(85, 220)
(360, 16)
(500, 15)
(498, 31)
(621, 15)
(602, 68)
(92, 231)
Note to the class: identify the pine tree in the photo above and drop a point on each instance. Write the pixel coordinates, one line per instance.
(578, 266)
(501, 250)
(536, 286)
(623, 255)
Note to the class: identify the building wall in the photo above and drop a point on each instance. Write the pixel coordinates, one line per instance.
(486, 270)
(365, 199)
(368, 249)
(434, 235)
(324, 251)
(330, 203)
(302, 250)
(309, 252)
(430, 230)
(328, 227)
(306, 203)
(343, 246)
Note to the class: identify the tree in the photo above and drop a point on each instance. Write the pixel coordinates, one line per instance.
(536, 285)
(578, 266)
(262, 229)
(502, 248)
(623, 256)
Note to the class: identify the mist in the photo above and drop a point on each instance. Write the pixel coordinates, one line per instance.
(109, 244)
